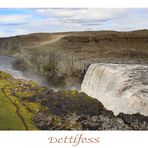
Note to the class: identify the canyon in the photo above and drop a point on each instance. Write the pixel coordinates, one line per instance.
(110, 66)
(63, 58)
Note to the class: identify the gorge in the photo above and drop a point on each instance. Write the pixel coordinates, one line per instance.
(110, 66)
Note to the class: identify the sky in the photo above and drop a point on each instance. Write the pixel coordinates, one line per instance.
(24, 21)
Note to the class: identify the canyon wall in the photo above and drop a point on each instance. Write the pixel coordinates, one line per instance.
(65, 57)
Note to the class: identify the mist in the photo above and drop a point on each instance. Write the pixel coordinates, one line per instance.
(6, 65)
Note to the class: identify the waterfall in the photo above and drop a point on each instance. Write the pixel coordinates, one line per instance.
(120, 87)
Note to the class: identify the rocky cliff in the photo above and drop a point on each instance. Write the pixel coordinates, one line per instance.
(26, 106)
(64, 57)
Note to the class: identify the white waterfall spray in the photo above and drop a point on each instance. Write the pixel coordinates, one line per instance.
(120, 87)
(6, 66)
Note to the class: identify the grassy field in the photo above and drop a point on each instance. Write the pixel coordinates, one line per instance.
(14, 115)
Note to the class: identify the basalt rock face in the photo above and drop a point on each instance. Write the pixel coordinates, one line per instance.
(135, 121)
(65, 57)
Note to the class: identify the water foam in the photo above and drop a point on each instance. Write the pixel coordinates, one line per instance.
(120, 87)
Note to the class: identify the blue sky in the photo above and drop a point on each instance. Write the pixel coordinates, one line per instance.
(24, 21)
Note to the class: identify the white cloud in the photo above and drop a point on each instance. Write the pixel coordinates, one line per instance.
(83, 14)
(14, 18)
(57, 20)
(60, 20)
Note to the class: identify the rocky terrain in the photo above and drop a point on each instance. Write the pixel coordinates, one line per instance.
(26, 106)
(63, 58)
